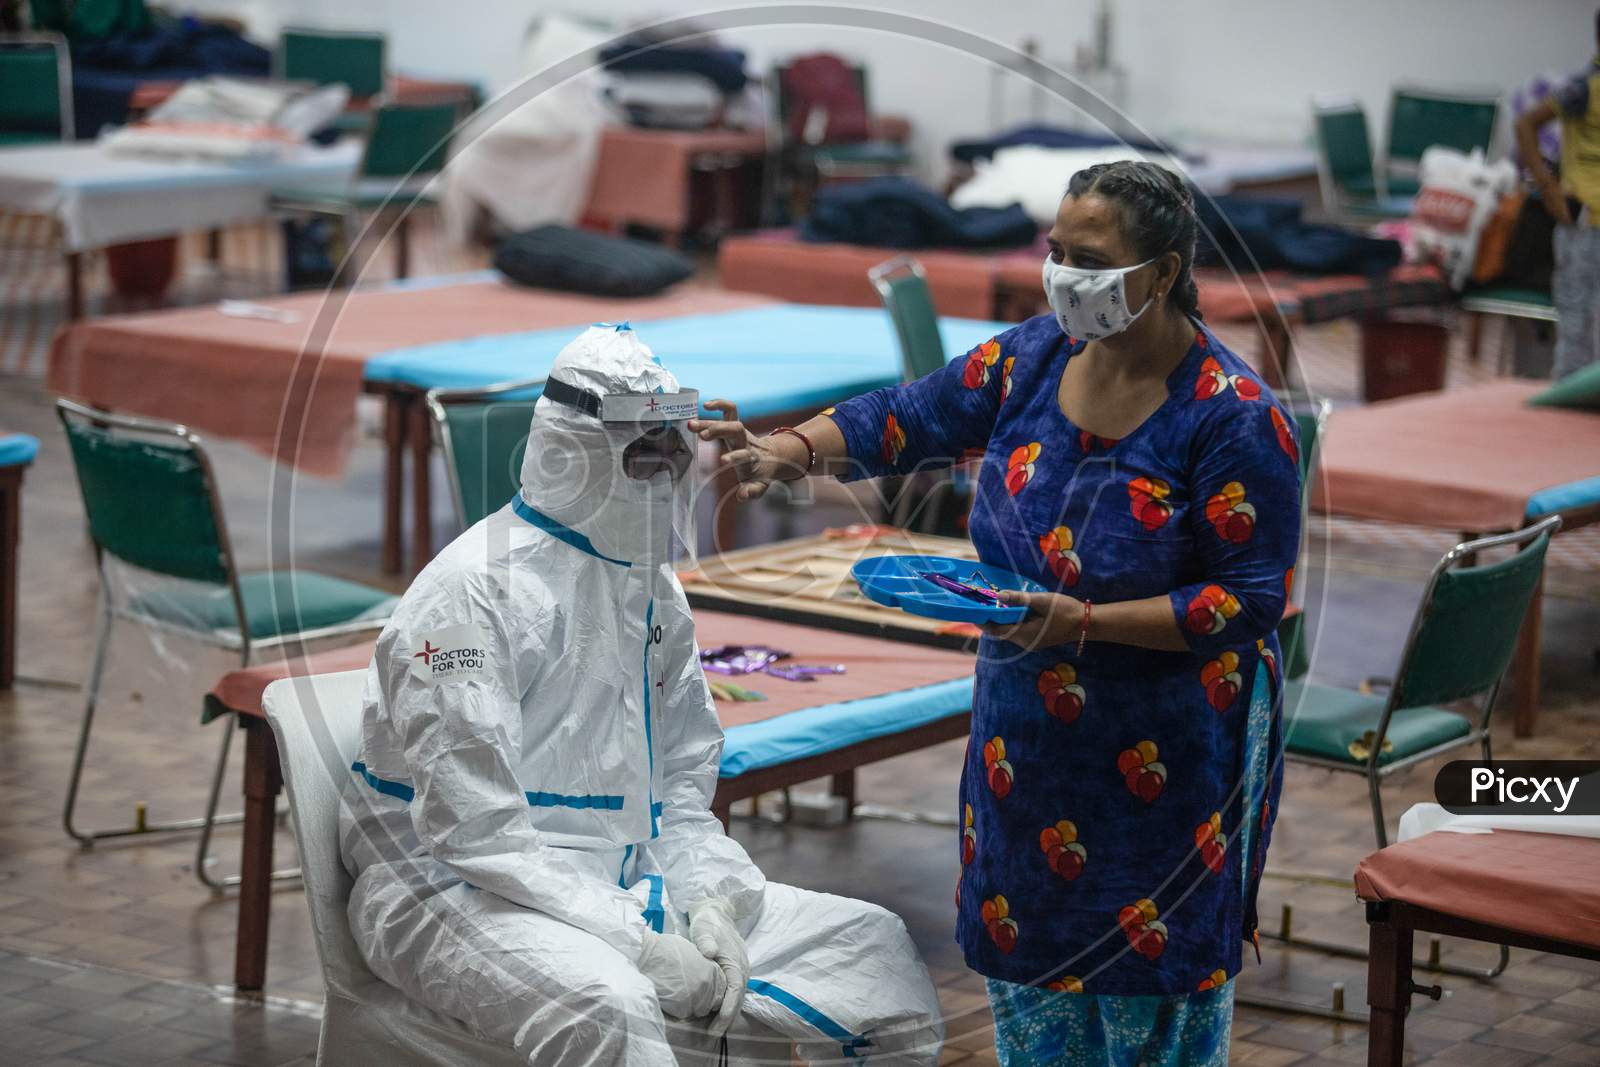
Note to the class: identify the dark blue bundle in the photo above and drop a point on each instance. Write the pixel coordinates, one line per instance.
(723, 67)
(1270, 229)
(899, 213)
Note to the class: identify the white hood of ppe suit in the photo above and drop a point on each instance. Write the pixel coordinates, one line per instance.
(572, 469)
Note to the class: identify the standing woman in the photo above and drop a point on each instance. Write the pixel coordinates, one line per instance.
(1118, 789)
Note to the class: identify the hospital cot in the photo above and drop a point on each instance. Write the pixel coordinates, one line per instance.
(285, 380)
(17, 451)
(1476, 461)
(892, 699)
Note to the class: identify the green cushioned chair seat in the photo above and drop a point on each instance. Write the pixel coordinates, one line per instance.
(1389, 207)
(1364, 186)
(365, 195)
(880, 152)
(20, 137)
(275, 604)
(1400, 186)
(1326, 722)
(1533, 297)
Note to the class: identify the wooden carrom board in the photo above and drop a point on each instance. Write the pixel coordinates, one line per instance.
(807, 580)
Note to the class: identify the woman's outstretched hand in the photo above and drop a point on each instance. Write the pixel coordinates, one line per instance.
(758, 461)
(1052, 619)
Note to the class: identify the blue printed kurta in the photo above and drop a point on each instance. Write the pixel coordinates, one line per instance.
(1100, 797)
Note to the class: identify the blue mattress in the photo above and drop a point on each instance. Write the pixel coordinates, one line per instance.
(769, 360)
(17, 448)
(1566, 497)
(829, 727)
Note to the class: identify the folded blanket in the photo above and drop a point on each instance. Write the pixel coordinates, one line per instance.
(899, 213)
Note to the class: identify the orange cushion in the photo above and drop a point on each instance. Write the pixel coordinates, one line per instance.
(1545, 885)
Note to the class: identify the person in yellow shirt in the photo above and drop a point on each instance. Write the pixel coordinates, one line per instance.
(1574, 202)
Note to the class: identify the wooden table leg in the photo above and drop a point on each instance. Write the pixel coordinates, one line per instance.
(263, 781)
(1388, 986)
(74, 286)
(402, 246)
(395, 419)
(214, 247)
(844, 786)
(1474, 335)
(1525, 683)
(1276, 351)
(419, 436)
(10, 537)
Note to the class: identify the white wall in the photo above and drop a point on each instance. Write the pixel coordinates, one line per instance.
(1235, 69)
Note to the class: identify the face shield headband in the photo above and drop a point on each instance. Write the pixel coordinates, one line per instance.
(663, 446)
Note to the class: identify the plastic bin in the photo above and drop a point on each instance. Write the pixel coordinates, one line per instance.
(1400, 357)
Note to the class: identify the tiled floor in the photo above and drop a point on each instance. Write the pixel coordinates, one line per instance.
(118, 956)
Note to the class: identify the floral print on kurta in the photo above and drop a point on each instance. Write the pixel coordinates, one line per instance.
(1100, 798)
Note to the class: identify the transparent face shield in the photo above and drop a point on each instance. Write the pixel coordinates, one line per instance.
(651, 484)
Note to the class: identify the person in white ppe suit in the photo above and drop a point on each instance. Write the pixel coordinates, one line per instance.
(529, 824)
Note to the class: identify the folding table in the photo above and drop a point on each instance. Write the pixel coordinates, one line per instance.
(99, 199)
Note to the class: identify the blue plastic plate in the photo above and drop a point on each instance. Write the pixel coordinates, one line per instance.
(895, 582)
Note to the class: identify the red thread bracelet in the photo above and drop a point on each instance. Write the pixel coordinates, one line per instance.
(1083, 630)
(811, 450)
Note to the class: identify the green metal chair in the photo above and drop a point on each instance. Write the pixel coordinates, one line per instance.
(482, 434)
(1460, 644)
(1350, 187)
(326, 57)
(152, 505)
(1311, 419)
(1459, 647)
(35, 89)
(904, 290)
(932, 502)
(406, 148)
(1422, 118)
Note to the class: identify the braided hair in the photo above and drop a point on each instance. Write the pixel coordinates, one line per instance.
(1158, 216)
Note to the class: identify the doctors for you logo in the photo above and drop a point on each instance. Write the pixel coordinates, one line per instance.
(454, 653)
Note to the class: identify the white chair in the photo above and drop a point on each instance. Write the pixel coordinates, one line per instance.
(317, 723)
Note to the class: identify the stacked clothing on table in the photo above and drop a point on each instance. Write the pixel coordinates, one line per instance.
(1045, 136)
(1268, 233)
(117, 46)
(662, 83)
(899, 213)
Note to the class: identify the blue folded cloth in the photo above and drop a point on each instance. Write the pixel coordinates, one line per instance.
(899, 213)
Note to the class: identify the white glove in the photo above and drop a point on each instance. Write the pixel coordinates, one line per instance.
(713, 933)
(688, 985)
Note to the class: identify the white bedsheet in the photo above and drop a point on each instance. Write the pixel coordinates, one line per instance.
(1036, 177)
(1426, 818)
(104, 199)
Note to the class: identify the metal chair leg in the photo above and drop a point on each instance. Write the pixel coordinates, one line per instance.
(92, 693)
(140, 826)
(1379, 830)
(1432, 963)
(203, 849)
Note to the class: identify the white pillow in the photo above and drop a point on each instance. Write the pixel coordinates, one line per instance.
(1036, 177)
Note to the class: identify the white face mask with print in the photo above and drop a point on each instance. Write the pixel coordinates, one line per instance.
(1090, 304)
